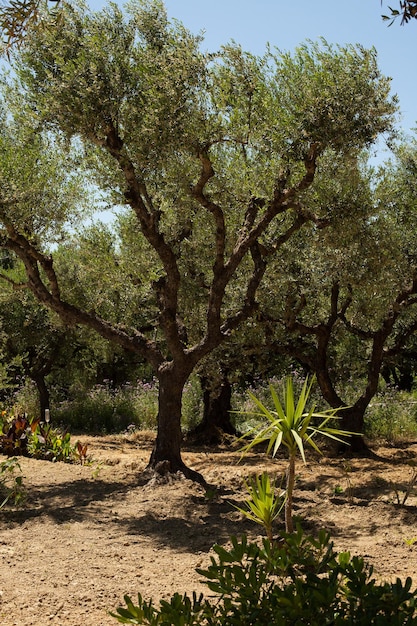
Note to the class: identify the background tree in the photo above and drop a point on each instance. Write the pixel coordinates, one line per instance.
(351, 300)
(212, 154)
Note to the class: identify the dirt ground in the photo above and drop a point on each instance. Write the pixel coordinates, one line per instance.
(89, 534)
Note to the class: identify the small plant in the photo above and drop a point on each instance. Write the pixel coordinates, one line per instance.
(11, 483)
(97, 466)
(407, 490)
(49, 443)
(23, 436)
(300, 580)
(290, 424)
(15, 435)
(81, 450)
(410, 542)
(263, 505)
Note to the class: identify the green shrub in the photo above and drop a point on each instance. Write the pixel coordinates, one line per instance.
(31, 437)
(299, 580)
(392, 416)
(103, 409)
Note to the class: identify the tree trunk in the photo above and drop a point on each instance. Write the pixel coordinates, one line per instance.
(43, 392)
(166, 454)
(216, 422)
(353, 420)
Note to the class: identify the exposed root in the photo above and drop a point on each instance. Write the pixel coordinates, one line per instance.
(163, 473)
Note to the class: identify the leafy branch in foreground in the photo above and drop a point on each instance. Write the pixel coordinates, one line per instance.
(290, 424)
(301, 580)
(408, 12)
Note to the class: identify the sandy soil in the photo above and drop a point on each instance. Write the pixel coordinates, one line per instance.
(89, 534)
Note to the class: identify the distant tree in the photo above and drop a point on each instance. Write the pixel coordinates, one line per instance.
(347, 307)
(212, 156)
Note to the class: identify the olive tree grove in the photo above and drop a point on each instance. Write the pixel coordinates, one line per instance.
(212, 157)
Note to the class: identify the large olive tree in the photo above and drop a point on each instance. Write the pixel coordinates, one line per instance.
(210, 154)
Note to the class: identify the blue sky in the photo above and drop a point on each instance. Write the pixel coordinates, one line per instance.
(285, 24)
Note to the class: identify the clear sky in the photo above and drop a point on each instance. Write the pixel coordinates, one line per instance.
(285, 24)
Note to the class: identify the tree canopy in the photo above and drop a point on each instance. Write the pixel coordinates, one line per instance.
(214, 158)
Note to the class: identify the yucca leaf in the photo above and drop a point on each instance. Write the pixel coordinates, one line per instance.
(277, 444)
(302, 400)
(265, 412)
(289, 400)
(277, 403)
(299, 443)
(312, 443)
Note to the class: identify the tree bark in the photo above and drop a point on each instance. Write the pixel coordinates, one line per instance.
(166, 454)
(43, 392)
(216, 421)
(353, 420)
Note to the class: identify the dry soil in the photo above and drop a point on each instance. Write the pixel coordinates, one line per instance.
(88, 534)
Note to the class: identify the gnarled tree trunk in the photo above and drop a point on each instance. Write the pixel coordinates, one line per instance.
(166, 454)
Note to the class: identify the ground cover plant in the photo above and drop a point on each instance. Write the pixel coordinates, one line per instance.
(296, 580)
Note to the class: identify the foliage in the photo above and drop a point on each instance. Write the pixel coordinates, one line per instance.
(392, 416)
(18, 16)
(106, 409)
(408, 11)
(263, 505)
(12, 489)
(300, 580)
(290, 424)
(31, 437)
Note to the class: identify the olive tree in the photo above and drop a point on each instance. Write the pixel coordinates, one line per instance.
(210, 155)
(348, 299)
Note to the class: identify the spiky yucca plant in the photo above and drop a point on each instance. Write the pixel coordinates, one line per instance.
(264, 504)
(292, 425)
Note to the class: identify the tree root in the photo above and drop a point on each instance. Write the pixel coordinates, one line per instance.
(163, 473)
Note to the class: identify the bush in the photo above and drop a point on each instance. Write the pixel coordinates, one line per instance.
(299, 580)
(31, 437)
(392, 416)
(104, 409)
